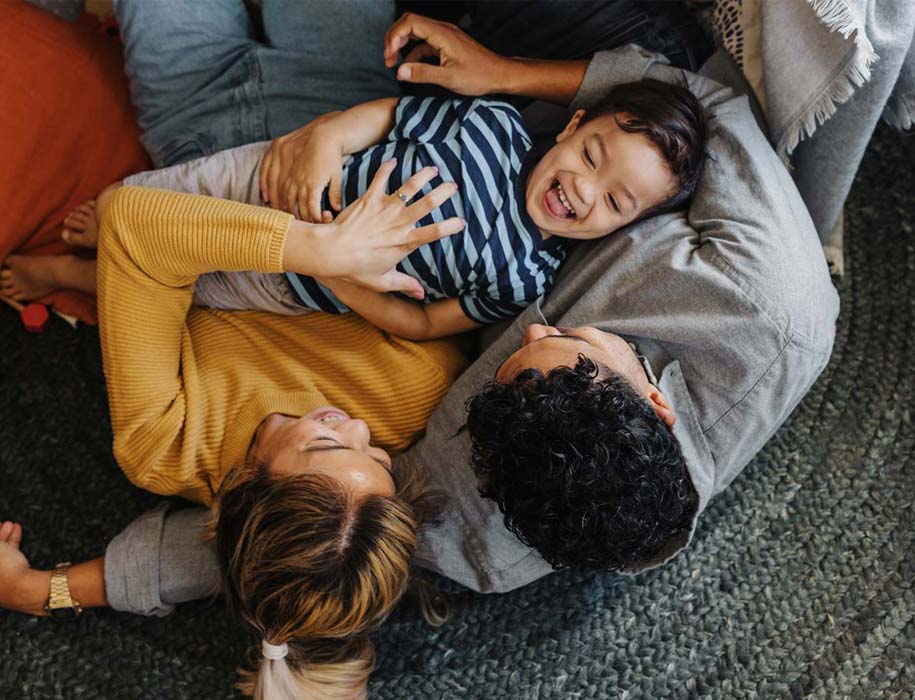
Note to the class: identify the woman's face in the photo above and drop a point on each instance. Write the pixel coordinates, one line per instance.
(324, 441)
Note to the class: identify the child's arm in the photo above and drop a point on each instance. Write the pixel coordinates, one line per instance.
(361, 126)
(406, 319)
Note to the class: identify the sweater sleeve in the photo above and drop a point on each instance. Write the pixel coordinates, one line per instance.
(153, 244)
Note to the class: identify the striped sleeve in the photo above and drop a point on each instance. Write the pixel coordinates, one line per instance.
(428, 119)
(439, 119)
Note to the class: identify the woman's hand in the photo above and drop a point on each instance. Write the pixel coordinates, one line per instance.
(299, 167)
(465, 66)
(22, 589)
(374, 233)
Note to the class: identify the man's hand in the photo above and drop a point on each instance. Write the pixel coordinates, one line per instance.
(22, 589)
(297, 169)
(373, 234)
(465, 66)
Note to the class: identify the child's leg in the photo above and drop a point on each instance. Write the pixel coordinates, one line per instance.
(27, 277)
(230, 174)
(247, 291)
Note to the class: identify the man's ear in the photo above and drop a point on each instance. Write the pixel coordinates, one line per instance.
(571, 127)
(661, 407)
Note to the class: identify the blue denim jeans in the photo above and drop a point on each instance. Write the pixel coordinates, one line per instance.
(205, 79)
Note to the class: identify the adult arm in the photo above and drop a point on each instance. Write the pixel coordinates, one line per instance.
(161, 559)
(26, 590)
(469, 68)
(154, 244)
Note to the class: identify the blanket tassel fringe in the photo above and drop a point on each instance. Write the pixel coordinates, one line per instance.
(836, 16)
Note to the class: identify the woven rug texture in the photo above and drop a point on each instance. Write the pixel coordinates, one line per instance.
(800, 582)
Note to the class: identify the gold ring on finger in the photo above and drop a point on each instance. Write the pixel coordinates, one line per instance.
(402, 196)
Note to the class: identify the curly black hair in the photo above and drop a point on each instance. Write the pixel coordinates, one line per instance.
(581, 467)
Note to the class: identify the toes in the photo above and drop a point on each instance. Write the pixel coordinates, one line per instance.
(16, 538)
(74, 237)
(73, 222)
(6, 531)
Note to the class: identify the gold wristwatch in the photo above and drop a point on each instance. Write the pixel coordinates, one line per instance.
(61, 605)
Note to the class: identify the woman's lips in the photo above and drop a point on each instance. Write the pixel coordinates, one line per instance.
(328, 411)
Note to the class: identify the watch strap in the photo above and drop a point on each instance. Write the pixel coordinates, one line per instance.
(61, 602)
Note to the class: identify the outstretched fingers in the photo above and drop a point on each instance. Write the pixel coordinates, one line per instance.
(417, 181)
(379, 184)
(432, 201)
(395, 281)
(436, 231)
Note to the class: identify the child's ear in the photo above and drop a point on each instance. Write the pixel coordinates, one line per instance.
(571, 126)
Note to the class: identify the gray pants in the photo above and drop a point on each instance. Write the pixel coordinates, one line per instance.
(231, 174)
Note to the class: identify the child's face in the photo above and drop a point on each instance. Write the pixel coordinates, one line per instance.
(596, 179)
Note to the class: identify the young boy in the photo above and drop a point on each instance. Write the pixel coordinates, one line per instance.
(640, 153)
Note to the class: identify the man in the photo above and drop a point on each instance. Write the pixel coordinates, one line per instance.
(730, 311)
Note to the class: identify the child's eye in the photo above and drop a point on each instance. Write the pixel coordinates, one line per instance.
(588, 158)
(613, 203)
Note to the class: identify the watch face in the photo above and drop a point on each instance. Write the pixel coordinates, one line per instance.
(63, 613)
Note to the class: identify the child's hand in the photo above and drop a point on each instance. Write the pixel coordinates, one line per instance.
(300, 166)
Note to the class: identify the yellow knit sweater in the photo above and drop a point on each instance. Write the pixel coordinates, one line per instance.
(188, 387)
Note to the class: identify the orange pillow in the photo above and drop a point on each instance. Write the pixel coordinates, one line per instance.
(67, 130)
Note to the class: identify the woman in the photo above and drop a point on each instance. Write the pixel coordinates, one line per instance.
(315, 534)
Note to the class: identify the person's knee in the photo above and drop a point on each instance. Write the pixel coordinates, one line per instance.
(104, 199)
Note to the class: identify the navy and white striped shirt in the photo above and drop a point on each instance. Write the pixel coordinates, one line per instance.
(500, 262)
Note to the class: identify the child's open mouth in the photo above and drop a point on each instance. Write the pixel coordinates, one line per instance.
(556, 202)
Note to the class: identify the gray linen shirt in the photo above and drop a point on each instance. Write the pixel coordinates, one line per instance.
(730, 304)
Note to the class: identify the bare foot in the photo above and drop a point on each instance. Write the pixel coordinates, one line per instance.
(81, 227)
(24, 278)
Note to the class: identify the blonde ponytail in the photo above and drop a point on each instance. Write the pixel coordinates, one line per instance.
(296, 678)
(307, 565)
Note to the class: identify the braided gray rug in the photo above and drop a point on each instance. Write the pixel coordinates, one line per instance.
(799, 584)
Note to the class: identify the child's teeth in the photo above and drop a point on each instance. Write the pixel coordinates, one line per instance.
(562, 198)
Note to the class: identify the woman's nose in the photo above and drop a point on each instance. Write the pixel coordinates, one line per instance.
(356, 433)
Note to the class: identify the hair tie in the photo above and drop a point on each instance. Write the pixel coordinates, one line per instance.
(274, 651)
